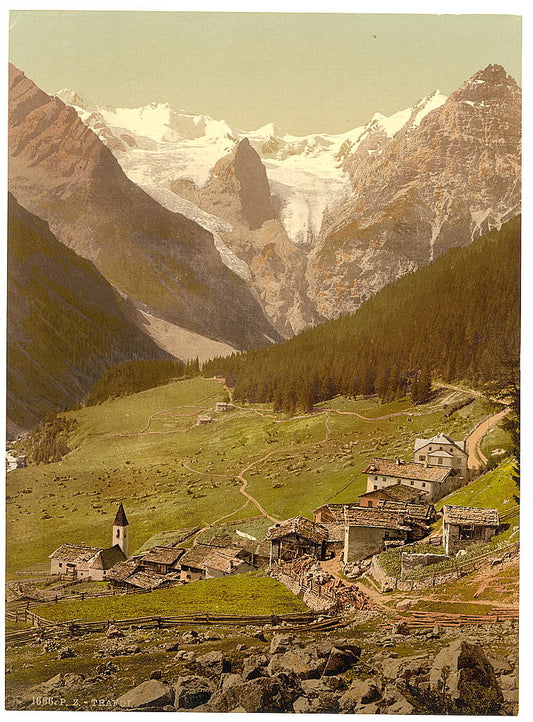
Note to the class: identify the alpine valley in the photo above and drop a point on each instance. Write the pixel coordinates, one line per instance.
(219, 239)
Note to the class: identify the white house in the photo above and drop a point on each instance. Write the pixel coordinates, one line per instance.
(442, 450)
(438, 481)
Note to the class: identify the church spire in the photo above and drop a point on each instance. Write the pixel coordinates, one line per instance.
(120, 530)
(120, 518)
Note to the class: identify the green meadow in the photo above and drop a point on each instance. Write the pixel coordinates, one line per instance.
(146, 451)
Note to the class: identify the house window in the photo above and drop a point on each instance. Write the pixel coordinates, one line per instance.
(370, 504)
(412, 483)
(424, 483)
(466, 532)
(422, 457)
(440, 459)
(375, 478)
(375, 486)
(118, 533)
(60, 564)
(430, 448)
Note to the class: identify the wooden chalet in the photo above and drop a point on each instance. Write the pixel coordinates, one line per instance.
(297, 537)
(162, 559)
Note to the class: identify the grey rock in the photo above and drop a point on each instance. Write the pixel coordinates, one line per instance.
(192, 691)
(114, 633)
(280, 643)
(466, 663)
(254, 667)
(150, 694)
(360, 692)
(214, 663)
(405, 667)
(264, 694)
(300, 662)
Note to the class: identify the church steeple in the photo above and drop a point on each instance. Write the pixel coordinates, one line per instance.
(120, 530)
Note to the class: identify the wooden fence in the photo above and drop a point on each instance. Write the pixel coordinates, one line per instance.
(45, 629)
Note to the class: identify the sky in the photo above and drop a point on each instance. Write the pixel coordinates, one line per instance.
(306, 72)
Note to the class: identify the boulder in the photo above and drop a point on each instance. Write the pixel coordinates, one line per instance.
(341, 659)
(499, 663)
(214, 663)
(464, 664)
(230, 680)
(360, 692)
(300, 662)
(280, 643)
(405, 667)
(264, 694)
(55, 681)
(254, 667)
(66, 653)
(192, 691)
(150, 694)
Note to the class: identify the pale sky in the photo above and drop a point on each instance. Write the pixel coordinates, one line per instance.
(304, 72)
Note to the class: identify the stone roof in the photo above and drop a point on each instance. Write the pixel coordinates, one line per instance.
(75, 553)
(407, 470)
(336, 511)
(412, 511)
(120, 518)
(439, 439)
(195, 556)
(375, 518)
(163, 555)
(398, 492)
(222, 560)
(258, 548)
(470, 515)
(301, 526)
(146, 579)
(107, 558)
(121, 571)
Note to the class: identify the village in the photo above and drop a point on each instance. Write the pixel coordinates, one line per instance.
(396, 510)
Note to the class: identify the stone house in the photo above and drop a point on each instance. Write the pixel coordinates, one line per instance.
(465, 525)
(442, 450)
(204, 419)
(130, 575)
(221, 406)
(297, 537)
(84, 562)
(368, 530)
(436, 481)
(396, 492)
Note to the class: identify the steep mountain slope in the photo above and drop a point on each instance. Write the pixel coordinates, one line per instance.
(165, 263)
(437, 185)
(65, 323)
(458, 318)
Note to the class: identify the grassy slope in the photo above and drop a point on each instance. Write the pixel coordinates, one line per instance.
(119, 454)
(242, 594)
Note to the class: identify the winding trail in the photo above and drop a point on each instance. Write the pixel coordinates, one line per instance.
(476, 458)
(243, 491)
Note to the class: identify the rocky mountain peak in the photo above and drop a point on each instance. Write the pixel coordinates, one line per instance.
(492, 84)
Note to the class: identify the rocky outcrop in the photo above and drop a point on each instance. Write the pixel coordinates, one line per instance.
(433, 186)
(238, 191)
(460, 665)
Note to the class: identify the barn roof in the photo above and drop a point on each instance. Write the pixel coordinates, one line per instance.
(121, 571)
(145, 579)
(407, 470)
(424, 513)
(375, 518)
(75, 553)
(163, 555)
(298, 525)
(222, 560)
(470, 515)
(398, 492)
(336, 511)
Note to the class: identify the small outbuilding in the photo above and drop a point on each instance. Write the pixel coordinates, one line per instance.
(465, 525)
(297, 537)
(368, 530)
(396, 492)
(222, 406)
(162, 559)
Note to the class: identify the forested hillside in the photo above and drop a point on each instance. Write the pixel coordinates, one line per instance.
(65, 324)
(457, 319)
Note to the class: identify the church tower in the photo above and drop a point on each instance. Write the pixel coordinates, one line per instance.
(120, 530)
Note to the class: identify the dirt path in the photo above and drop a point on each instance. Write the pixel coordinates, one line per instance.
(243, 491)
(476, 458)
